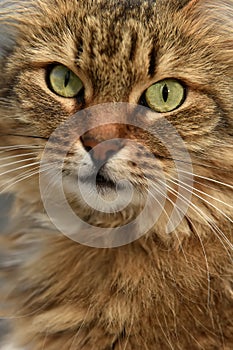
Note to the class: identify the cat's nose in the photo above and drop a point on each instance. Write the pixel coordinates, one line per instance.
(100, 152)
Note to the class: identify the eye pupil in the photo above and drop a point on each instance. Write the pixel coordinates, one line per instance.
(64, 82)
(165, 96)
(67, 78)
(165, 93)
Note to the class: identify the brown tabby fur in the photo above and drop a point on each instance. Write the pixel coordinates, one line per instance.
(162, 291)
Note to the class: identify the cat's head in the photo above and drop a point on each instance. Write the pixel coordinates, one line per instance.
(150, 85)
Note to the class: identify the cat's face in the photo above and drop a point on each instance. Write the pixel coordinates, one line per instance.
(173, 58)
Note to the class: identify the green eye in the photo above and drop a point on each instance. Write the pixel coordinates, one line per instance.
(165, 96)
(64, 82)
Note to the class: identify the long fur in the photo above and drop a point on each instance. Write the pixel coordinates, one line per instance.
(162, 291)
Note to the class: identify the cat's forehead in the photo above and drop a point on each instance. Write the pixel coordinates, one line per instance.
(109, 13)
(103, 24)
(120, 43)
(98, 37)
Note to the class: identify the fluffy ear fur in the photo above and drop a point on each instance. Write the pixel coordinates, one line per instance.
(217, 21)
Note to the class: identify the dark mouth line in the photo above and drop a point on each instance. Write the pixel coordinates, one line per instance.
(103, 181)
(99, 180)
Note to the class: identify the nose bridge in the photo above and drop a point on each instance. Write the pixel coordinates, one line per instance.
(108, 91)
(111, 82)
(105, 132)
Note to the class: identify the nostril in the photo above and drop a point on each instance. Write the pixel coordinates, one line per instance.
(88, 143)
(87, 148)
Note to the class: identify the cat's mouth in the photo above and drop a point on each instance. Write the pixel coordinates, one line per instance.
(102, 181)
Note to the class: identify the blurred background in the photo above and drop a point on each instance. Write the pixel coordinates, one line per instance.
(6, 41)
(5, 205)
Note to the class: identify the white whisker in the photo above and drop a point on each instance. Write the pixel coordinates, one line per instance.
(17, 156)
(55, 178)
(19, 176)
(17, 162)
(19, 168)
(199, 237)
(207, 219)
(201, 183)
(173, 204)
(25, 177)
(4, 149)
(200, 240)
(208, 179)
(176, 182)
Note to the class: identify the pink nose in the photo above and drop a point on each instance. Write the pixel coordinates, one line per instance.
(100, 151)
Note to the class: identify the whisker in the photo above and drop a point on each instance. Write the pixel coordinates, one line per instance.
(17, 156)
(201, 183)
(207, 219)
(17, 162)
(173, 204)
(29, 136)
(18, 146)
(203, 199)
(5, 149)
(19, 168)
(20, 175)
(26, 177)
(208, 179)
(52, 183)
(200, 240)
(194, 163)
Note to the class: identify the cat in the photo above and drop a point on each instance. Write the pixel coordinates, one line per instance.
(141, 90)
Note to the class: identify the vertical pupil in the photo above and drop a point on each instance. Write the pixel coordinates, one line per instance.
(67, 78)
(165, 93)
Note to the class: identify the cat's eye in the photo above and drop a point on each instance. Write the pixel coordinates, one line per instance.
(165, 96)
(64, 82)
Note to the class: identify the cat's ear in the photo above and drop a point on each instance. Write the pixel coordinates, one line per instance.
(212, 22)
(215, 12)
(214, 7)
